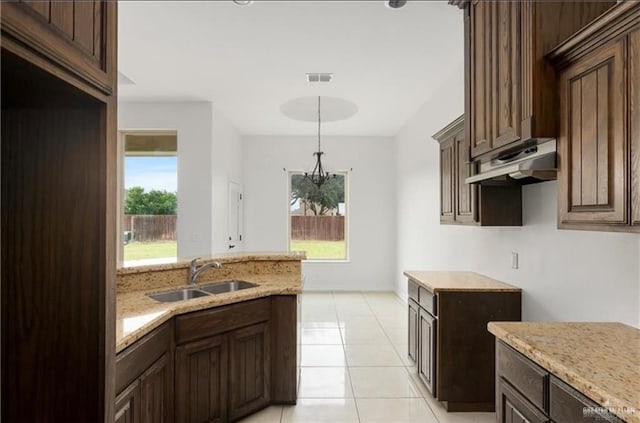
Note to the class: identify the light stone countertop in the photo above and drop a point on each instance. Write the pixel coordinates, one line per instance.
(137, 314)
(436, 281)
(275, 273)
(222, 258)
(601, 360)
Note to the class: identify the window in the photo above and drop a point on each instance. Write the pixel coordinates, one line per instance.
(318, 217)
(149, 198)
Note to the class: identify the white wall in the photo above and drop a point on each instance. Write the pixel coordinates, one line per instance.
(565, 275)
(209, 152)
(227, 166)
(371, 198)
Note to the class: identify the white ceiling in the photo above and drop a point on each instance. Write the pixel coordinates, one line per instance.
(249, 60)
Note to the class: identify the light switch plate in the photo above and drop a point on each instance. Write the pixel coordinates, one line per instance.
(514, 260)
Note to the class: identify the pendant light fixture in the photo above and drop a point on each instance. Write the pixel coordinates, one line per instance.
(318, 176)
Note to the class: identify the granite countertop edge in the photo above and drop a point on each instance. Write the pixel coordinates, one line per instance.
(418, 276)
(562, 372)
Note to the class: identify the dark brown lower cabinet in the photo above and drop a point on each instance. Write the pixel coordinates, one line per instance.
(455, 354)
(144, 379)
(528, 393)
(148, 399)
(229, 362)
(427, 350)
(201, 380)
(128, 404)
(514, 408)
(413, 330)
(223, 361)
(156, 392)
(223, 377)
(250, 376)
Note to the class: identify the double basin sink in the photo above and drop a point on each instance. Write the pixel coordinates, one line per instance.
(201, 291)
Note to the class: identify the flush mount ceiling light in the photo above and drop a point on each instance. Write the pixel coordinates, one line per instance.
(305, 109)
(243, 2)
(318, 176)
(395, 4)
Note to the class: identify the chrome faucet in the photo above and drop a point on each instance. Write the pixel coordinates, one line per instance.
(194, 270)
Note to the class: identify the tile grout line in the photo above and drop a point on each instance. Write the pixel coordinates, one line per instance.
(386, 334)
(348, 368)
(419, 391)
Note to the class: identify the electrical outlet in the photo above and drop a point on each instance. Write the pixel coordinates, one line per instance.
(514, 260)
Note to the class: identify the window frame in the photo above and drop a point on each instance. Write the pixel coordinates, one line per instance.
(347, 199)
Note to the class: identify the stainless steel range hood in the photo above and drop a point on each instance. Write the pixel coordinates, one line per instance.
(532, 163)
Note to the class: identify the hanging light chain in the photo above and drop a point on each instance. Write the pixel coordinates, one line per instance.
(319, 123)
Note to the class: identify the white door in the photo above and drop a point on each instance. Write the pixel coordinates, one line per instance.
(235, 217)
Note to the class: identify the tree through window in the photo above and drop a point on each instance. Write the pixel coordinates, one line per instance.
(317, 217)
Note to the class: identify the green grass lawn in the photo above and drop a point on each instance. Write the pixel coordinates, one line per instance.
(148, 250)
(321, 250)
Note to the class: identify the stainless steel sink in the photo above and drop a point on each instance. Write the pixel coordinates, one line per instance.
(179, 295)
(227, 286)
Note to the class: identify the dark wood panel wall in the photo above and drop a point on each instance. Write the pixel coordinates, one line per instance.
(58, 164)
(53, 274)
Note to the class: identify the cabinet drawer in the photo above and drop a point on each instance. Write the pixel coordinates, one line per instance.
(413, 290)
(527, 377)
(513, 407)
(202, 324)
(427, 301)
(568, 405)
(131, 362)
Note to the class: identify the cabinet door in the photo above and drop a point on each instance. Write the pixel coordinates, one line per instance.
(592, 166)
(480, 72)
(413, 331)
(128, 404)
(465, 194)
(506, 72)
(511, 407)
(78, 36)
(447, 181)
(427, 350)
(634, 123)
(201, 381)
(156, 392)
(250, 372)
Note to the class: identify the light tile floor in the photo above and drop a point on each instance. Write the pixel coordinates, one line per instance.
(355, 367)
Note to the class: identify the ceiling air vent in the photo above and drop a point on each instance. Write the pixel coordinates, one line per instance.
(319, 77)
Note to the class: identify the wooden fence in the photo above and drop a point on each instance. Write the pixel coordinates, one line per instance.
(147, 228)
(320, 228)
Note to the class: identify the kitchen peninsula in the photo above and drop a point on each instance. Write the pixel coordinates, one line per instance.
(232, 354)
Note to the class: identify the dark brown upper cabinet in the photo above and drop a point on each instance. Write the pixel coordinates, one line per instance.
(634, 123)
(598, 157)
(467, 204)
(77, 35)
(510, 88)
